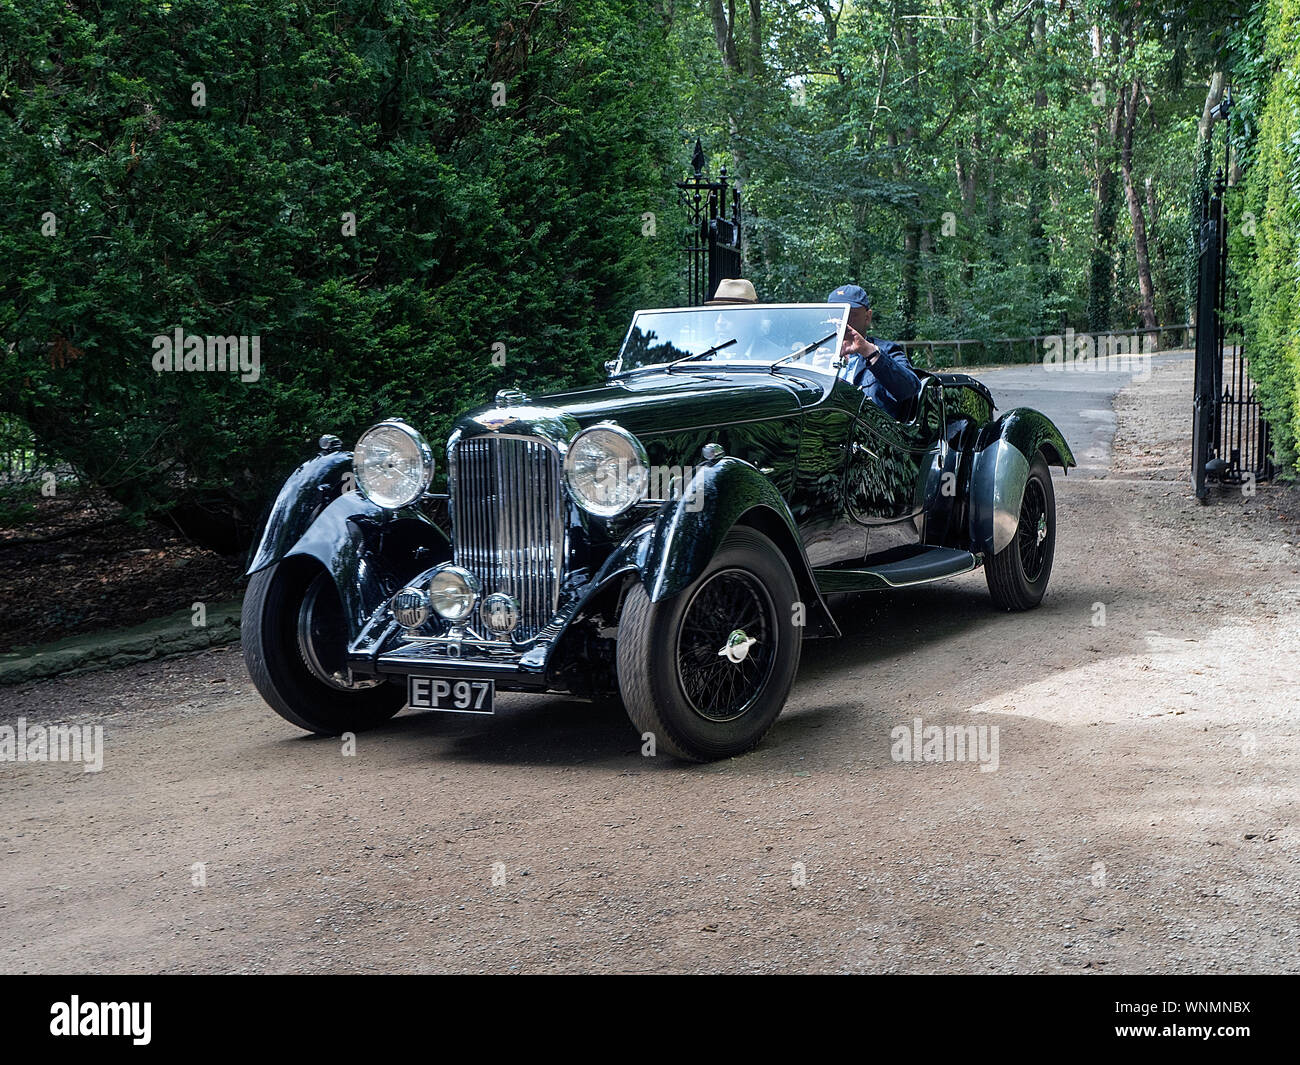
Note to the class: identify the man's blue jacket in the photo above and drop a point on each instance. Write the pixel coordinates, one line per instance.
(891, 383)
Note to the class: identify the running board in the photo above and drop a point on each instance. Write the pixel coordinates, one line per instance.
(931, 564)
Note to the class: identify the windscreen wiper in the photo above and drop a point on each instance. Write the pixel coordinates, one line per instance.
(802, 351)
(702, 355)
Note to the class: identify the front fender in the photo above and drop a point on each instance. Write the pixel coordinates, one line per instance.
(370, 552)
(688, 532)
(1006, 450)
(305, 493)
(364, 548)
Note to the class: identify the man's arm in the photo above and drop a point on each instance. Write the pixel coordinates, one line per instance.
(887, 364)
(895, 375)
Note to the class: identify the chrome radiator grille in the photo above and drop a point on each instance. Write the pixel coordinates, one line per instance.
(508, 531)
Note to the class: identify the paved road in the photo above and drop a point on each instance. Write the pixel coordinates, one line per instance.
(1080, 402)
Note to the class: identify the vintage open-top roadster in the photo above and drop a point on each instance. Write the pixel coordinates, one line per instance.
(667, 537)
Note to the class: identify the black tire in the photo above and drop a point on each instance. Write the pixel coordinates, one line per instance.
(698, 704)
(1018, 574)
(280, 601)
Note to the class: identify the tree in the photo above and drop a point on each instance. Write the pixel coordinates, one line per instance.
(384, 195)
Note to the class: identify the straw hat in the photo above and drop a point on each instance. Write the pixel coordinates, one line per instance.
(733, 290)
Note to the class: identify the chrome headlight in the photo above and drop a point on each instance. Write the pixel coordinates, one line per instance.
(393, 464)
(606, 470)
(453, 593)
(410, 607)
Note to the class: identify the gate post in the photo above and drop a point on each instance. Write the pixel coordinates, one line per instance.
(713, 230)
(1205, 396)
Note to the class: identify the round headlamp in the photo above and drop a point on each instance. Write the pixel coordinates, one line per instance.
(453, 593)
(393, 464)
(606, 470)
(410, 607)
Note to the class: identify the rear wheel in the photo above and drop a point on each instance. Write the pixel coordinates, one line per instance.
(295, 641)
(707, 672)
(1017, 575)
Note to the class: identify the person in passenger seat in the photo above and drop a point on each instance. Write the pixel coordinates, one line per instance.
(880, 368)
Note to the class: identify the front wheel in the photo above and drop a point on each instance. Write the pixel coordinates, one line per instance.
(708, 670)
(294, 638)
(1017, 575)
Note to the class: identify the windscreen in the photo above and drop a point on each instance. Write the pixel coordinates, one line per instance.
(755, 335)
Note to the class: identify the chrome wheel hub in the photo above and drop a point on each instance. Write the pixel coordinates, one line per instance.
(736, 649)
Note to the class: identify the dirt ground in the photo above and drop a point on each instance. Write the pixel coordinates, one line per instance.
(76, 565)
(1142, 817)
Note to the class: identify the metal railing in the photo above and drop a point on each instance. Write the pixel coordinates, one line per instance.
(975, 352)
(1230, 437)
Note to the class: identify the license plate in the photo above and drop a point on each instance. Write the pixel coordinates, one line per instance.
(453, 696)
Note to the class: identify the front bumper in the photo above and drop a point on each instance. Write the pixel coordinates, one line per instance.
(458, 660)
(384, 648)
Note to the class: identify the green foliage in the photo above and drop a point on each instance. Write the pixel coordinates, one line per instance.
(476, 224)
(1272, 266)
(951, 155)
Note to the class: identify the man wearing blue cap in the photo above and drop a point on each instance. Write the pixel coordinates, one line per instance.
(881, 369)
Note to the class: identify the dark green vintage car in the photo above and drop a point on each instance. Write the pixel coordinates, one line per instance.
(667, 538)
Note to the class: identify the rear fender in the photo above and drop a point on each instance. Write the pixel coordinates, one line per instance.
(1006, 450)
(1031, 431)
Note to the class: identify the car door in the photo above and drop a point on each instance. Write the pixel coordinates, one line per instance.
(888, 464)
(831, 537)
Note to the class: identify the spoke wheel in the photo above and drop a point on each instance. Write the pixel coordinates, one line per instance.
(706, 672)
(1031, 536)
(323, 638)
(295, 647)
(729, 604)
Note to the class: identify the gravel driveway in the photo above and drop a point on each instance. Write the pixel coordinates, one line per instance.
(1141, 817)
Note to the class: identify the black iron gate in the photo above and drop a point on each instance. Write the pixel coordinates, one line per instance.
(712, 229)
(1230, 438)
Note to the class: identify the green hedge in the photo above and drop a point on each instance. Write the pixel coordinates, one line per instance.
(476, 224)
(1273, 198)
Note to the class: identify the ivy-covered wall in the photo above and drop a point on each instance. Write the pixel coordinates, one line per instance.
(1272, 272)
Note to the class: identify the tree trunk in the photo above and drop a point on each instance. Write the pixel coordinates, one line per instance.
(1105, 212)
(1212, 99)
(967, 171)
(1161, 269)
(1147, 308)
(905, 46)
(1038, 150)
(723, 32)
(754, 60)
(934, 302)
